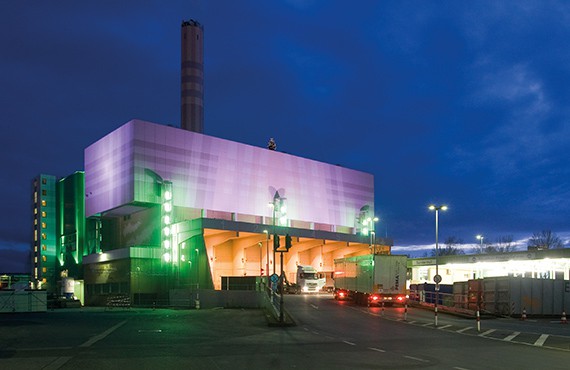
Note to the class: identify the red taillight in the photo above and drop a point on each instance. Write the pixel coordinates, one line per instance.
(400, 298)
(374, 297)
(341, 294)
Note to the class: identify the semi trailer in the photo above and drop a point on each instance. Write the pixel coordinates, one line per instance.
(371, 279)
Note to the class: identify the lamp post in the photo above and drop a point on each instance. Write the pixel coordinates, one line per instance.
(480, 238)
(437, 277)
(267, 256)
(370, 230)
(197, 279)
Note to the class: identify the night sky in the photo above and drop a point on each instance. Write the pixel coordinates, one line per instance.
(457, 103)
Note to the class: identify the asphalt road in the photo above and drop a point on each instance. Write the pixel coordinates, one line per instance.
(329, 335)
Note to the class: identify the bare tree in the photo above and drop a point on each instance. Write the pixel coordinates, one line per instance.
(545, 239)
(452, 247)
(504, 244)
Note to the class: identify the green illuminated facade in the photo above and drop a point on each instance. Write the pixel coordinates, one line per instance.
(58, 229)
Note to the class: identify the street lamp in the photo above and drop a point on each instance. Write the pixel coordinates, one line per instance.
(437, 277)
(197, 278)
(480, 238)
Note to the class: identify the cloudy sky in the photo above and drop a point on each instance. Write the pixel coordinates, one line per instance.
(462, 103)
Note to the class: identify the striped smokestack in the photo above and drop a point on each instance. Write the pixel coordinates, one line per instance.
(192, 77)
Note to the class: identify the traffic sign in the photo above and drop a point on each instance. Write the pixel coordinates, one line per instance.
(274, 278)
(437, 279)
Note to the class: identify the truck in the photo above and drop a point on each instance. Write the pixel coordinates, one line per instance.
(309, 280)
(371, 279)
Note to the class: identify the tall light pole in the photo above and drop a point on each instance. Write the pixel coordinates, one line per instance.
(437, 277)
(267, 255)
(370, 230)
(480, 238)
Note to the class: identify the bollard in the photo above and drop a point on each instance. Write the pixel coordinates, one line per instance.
(523, 316)
(406, 311)
(382, 308)
(563, 319)
(478, 320)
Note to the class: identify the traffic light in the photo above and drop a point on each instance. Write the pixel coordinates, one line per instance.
(287, 241)
(275, 242)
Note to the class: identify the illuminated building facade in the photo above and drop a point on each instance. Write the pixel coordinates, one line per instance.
(44, 237)
(181, 209)
(59, 229)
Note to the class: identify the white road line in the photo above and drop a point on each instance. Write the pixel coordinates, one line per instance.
(102, 335)
(58, 363)
(487, 332)
(347, 342)
(460, 368)
(315, 306)
(445, 326)
(464, 329)
(512, 336)
(416, 359)
(428, 324)
(376, 349)
(540, 341)
(306, 329)
(315, 332)
(411, 322)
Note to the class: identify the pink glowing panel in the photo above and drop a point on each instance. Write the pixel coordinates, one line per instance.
(216, 174)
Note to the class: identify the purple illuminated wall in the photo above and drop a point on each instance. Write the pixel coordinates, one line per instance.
(216, 174)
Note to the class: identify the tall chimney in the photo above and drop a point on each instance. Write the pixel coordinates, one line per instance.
(192, 77)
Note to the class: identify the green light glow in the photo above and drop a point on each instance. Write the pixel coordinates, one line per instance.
(167, 207)
(166, 231)
(167, 220)
(166, 244)
(167, 195)
(166, 257)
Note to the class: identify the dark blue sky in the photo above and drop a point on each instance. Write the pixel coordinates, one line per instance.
(463, 103)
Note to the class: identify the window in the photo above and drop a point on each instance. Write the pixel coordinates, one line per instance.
(44, 225)
(44, 269)
(44, 236)
(44, 214)
(44, 247)
(35, 221)
(35, 259)
(36, 236)
(44, 192)
(44, 258)
(43, 203)
(35, 211)
(35, 196)
(44, 181)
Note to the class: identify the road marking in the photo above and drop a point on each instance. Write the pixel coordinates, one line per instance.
(411, 322)
(445, 326)
(315, 332)
(540, 341)
(376, 349)
(428, 324)
(150, 331)
(306, 329)
(347, 342)
(58, 363)
(416, 358)
(315, 306)
(487, 332)
(464, 329)
(460, 368)
(512, 336)
(102, 335)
